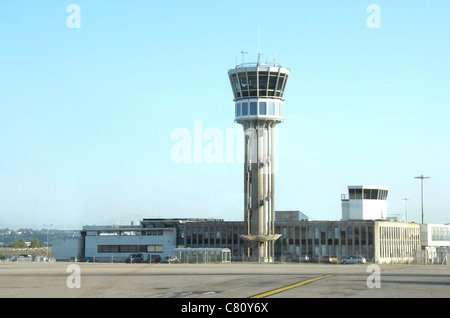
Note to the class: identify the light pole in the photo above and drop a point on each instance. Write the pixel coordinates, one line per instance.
(421, 189)
(406, 208)
(47, 225)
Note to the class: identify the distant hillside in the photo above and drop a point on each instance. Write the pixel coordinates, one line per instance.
(8, 237)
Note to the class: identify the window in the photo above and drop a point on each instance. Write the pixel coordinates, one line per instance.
(211, 234)
(252, 83)
(280, 86)
(316, 235)
(129, 248)
(194, 235)
(272, 81)
(356, 228)
(271, 109)
(239, 109)
(343, 234)
(370, 235)
(373, 194)
(153, 233)
(252, 80)
(440, 234)
(244, 109)
(243, 81)
(351, 194)
(310, 235)
(355, 194)
(154, 248)
(263, 80)
(329, 236)
(236, 83)
(277, 109)
(253, 108)
(322, 235)
(107, 233)
(262, 108)
(336, 235)
(363, 235)
(349, 235)
(104, 249)
(129, 233)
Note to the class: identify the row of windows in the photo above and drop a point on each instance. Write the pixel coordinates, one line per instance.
(398, 242)
(367, 194)
(399, 234)
(214, 235)
(131, 233)
(316, 235)
(130, 248)
(264, 109)
(259, 84)
(297, 235)
(440, 234)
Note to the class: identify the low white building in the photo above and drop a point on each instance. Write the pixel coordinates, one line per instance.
(115, 243)
(435, 241)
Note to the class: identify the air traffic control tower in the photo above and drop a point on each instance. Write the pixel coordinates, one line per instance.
(258, 90)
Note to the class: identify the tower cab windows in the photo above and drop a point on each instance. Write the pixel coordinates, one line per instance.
(253, 108)
(244, 109)
(368, 194)
(259, 109)
(262, 108)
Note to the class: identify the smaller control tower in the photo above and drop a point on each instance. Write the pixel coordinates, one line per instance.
(258, 90)
(365, 203)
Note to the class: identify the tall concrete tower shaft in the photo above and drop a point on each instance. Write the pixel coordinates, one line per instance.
(259, 95)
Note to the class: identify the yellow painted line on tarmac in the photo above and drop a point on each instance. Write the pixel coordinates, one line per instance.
(282, 289)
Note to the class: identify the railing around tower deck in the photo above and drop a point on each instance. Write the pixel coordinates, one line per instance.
(256, 64)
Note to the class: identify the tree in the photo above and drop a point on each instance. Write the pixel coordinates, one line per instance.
(34, 242)
(20, 244)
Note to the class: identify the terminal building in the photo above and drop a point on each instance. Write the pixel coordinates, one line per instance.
(377, 240)
(363, 230)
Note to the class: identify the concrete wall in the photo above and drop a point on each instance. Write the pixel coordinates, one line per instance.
(65, 249)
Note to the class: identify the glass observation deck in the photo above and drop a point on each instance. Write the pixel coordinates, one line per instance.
(258, 81)
(258, 90)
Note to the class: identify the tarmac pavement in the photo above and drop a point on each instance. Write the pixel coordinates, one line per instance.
(230, 280)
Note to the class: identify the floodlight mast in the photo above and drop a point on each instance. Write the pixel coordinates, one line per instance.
(258, 90)
(421, 177)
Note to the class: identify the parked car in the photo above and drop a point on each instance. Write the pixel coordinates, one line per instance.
(329, 259)
(356, 259)
(135, 258)
(169, 260)
(154, 259)
(24, 257)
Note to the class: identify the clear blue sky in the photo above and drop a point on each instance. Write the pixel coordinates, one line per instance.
(87, 114)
